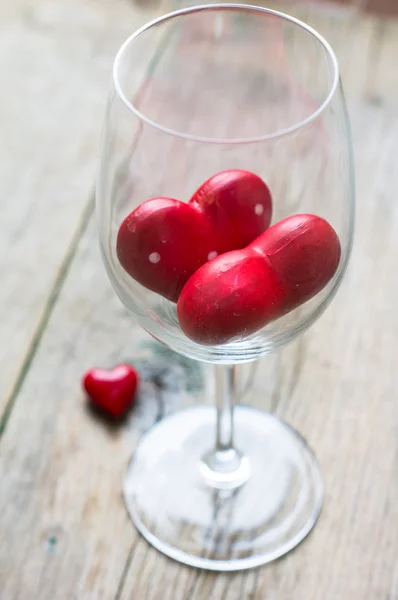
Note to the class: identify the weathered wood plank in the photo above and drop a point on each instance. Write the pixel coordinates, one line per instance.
(57, 59)
(54, 500)
(64, 529)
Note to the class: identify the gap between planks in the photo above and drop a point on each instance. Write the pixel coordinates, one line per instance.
(47, 312)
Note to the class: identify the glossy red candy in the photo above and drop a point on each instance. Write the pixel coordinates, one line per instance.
(164, 241)
(238, 203)
(112, 391)
(240, 292)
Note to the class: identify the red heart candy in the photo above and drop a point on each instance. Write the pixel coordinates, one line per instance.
(164, 241)
(240, 292)
(238, 204)
(112, 391)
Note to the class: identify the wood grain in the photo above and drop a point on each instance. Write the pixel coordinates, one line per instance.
(57, 59)
(64, 530)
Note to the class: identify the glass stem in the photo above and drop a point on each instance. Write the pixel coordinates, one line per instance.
(225, 380)
(224, 466)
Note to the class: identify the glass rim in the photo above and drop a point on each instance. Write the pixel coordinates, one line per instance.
(224, 6)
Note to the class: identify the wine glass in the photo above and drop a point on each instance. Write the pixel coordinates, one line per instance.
(199, 92)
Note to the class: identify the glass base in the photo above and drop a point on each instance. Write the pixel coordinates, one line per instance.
(178, 504)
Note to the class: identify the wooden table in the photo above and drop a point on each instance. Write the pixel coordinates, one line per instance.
(64, 531)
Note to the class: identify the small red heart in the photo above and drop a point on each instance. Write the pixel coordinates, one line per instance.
(112, 391)
(241, 291)
(164, 241)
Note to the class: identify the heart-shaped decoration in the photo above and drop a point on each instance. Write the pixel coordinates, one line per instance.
(240, 292)
(163, 242)
(112, 391)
